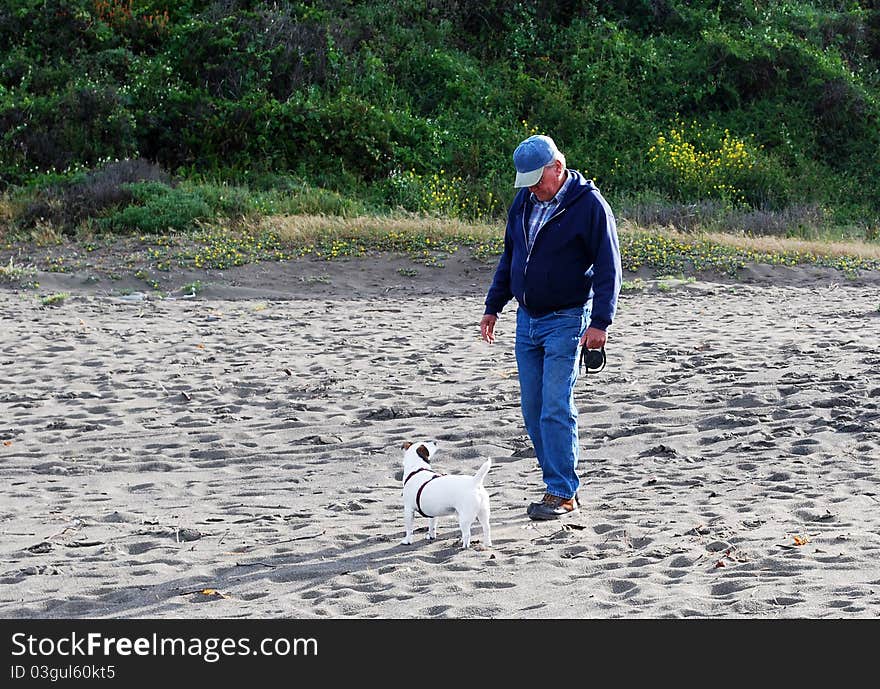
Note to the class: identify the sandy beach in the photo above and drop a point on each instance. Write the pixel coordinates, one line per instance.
(237, 453)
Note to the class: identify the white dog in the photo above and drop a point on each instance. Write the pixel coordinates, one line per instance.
(436, 495)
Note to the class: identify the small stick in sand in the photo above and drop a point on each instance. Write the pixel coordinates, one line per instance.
(302, 538)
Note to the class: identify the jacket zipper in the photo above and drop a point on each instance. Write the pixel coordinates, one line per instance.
(528, 255)
(529, 252)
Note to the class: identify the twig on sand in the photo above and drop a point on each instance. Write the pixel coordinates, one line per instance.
(255, 564)
(205, 592)
(73, 526)
(302, 538)
(563, 529)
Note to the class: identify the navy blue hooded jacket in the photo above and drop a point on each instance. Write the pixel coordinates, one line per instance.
(575, 257)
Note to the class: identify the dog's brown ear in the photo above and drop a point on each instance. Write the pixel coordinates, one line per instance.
(423, 453)
(407, 445)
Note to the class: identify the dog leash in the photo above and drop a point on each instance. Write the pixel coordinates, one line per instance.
(592, 360)
(421, 488)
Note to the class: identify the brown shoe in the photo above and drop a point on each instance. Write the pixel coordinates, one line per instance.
(533, 505)
(552, 507)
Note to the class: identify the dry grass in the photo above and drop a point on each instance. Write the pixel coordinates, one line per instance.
(304, 229)
(7, 215)
(854, 247)
(772, 245)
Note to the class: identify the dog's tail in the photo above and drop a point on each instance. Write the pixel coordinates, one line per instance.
(482, 471)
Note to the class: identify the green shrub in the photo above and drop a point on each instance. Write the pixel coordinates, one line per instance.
(18, 275)
(64, 205)
(440, 194)
(84, 124)
(224, 199)
(159, 209)
(696, 162)
(346, 95)
(55, 299)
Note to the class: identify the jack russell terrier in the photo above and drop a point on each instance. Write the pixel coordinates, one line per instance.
(435, 495)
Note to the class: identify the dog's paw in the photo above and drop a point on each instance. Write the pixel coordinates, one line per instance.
(430, 536)
(406, 541)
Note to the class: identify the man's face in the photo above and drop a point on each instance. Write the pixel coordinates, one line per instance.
(549, 183)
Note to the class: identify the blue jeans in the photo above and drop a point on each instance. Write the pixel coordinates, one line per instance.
(547, 359)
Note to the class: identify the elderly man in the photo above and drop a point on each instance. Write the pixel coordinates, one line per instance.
(561, 262)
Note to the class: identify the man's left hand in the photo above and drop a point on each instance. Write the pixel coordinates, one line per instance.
(593, 338)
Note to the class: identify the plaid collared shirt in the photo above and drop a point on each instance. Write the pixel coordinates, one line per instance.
(542, 211)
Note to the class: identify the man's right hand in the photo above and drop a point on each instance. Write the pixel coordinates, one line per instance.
(487, 327)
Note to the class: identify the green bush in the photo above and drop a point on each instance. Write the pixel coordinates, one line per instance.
(65, 204)
(351, 95)
(158, 209)
(85, 124)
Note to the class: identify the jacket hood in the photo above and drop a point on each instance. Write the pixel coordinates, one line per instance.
(580, 185)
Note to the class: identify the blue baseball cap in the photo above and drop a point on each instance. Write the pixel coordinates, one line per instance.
(530, 158)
